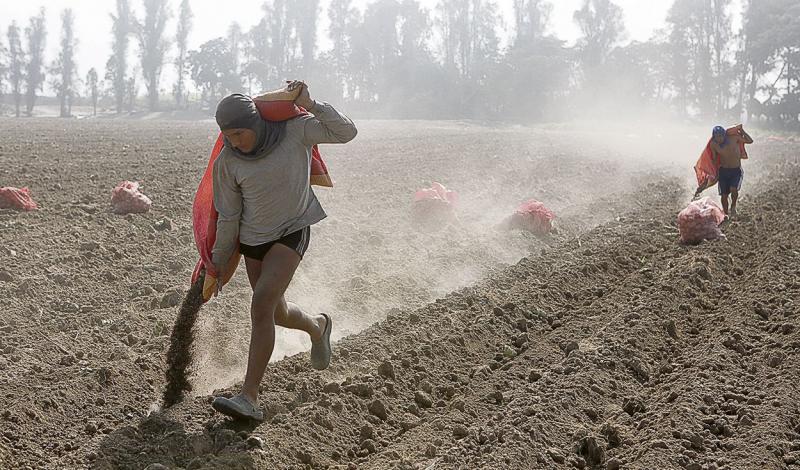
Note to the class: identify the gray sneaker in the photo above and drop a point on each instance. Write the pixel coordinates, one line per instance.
(321, 348)
(237, 407)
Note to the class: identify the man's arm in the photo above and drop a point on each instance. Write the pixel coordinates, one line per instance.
(746, 137)
(228, 202)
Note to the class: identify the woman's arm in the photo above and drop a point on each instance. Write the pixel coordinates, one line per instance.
(228, 202)
(328, 126)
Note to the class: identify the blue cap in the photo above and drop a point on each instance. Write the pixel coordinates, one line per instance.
(719, 130)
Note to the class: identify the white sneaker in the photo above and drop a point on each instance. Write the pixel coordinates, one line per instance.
(321, 348)
(237, 407)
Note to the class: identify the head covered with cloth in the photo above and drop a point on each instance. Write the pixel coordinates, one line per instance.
(246, 133)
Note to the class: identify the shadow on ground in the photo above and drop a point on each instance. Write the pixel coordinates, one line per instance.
(219, 444)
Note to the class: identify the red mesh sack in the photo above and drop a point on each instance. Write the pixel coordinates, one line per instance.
(18, 199)
(434, 207)
(700, 221)
(534, 217)
(127, 199)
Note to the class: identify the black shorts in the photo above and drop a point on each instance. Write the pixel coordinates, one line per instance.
(298, 241)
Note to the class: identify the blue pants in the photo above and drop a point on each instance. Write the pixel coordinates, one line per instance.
(730, 178)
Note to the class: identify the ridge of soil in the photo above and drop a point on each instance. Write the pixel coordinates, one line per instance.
(621, 348)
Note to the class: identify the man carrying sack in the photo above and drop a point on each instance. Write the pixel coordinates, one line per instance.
(721, 164)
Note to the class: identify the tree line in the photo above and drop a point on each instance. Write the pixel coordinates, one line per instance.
(396, 58)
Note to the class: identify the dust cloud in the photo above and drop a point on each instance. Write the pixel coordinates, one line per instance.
(368, 257)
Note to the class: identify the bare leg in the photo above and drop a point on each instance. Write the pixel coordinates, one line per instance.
(725, 203)
(277, 270)
(287, 314)
(734, 199)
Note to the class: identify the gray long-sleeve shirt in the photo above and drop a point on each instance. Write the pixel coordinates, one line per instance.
(263, 199)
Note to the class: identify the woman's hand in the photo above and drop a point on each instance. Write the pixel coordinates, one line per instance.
(211, 270)
(218, 288)
(304, 98)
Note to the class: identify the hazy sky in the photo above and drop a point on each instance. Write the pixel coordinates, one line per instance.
(93, 24)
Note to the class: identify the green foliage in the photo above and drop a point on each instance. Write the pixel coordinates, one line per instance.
(212, 68)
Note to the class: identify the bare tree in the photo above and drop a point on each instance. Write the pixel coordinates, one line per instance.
(469, 30)
(530, 19)
(153, 46)
(272, 44)
(235, 44)
(16, 65)
(452, 19)
(306, 32)
(276, 15)
(117, 65)
(64, 68)
(379, 32)
(181, 41)
(256, 51)
(343, 18)
(414, 31)
(131, 92)
(36, 36)
(3, 66)
(93, 89)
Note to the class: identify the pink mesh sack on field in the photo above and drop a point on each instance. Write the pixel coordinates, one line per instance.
(437, 192)
(434, 207)
(534, 217)
(18, 199)
(700, 221)
(126, 199)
